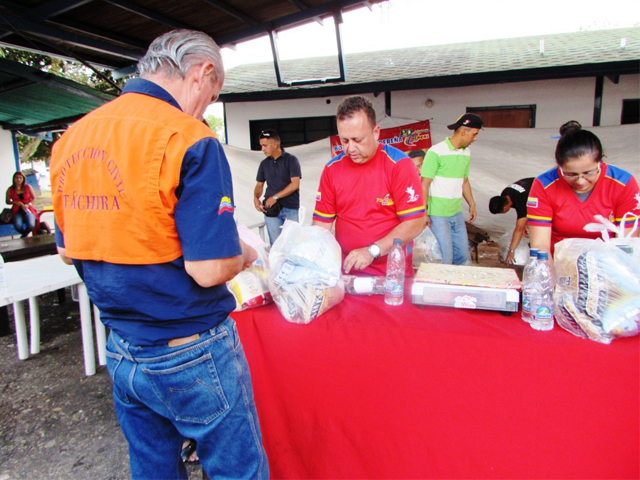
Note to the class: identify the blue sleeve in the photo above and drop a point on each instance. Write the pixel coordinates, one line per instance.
(260, 176)
(204, 212)
(59, 236)
(294, 167)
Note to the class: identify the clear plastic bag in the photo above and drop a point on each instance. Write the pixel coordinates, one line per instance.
(598, 287)
(305, 276)
(250, 287)
(426, 249)
(520, 256)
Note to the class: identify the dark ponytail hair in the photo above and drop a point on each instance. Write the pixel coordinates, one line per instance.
(576, 142)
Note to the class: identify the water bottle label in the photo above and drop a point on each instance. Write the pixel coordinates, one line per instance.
(395, 289)
(543, 313)
(526, 305)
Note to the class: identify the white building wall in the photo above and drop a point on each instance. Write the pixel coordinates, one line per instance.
(556, 101)
(239, 114)
(627, 88)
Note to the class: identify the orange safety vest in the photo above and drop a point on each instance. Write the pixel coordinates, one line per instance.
(113, 176)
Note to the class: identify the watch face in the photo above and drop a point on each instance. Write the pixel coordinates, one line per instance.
(374, 250)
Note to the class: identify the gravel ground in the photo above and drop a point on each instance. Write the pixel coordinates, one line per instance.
(55, 422)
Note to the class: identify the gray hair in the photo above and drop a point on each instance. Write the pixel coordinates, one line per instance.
(175, 52)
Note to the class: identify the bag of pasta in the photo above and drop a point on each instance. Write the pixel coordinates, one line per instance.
(305, 272)
(598, 287)
(426, 249)
(250, 287)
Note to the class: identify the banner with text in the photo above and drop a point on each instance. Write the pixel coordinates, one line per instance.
(414, 137)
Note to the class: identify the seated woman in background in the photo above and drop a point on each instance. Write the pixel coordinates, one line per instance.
(564, 199)
(20, 196)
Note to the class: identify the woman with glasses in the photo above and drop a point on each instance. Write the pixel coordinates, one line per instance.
(566, 198)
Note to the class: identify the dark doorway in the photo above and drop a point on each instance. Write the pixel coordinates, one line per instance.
(630, 111)
(520, 116)
(294, 131)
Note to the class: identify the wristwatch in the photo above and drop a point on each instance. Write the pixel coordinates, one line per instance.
(275, 197)
(511, 251)
(374, 251)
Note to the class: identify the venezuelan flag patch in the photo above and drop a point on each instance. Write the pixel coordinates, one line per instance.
(532, 202)
(225, 205)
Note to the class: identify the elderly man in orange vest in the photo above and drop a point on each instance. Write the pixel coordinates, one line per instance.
(143, 200)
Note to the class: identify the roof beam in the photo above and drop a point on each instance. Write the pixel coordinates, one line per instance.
(54, 8)
(52, 34)
(234, 12)
(143, 12)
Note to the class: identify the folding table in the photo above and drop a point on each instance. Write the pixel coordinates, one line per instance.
(28, 279)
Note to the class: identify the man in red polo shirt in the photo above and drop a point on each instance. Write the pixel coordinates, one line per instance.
(372, 191)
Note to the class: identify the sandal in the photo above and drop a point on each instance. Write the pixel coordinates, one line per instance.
(188, 451)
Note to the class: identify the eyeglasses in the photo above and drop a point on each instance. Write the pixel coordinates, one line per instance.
(572, 177)
(265, 135)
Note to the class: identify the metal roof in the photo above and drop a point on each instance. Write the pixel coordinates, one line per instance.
(587, 53)
(35, 101)
(116, 33)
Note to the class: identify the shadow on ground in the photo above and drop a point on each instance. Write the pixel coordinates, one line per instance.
(55, 422)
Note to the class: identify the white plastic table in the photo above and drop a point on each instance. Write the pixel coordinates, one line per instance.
(30, 278)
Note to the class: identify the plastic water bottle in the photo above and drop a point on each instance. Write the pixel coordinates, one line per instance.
(365, 285)
(3, 278)
(542, 307)
(527, 280)
(394, 283)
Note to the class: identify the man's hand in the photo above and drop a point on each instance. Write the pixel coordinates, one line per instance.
(249, 255)
(258, 204)
(357, 259)
(270, 202)
(472, 213)
(511, 258)
(427, 221)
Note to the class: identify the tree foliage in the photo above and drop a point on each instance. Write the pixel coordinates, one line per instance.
(217, 125)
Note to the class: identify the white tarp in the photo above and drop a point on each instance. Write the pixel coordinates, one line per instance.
(499, 157)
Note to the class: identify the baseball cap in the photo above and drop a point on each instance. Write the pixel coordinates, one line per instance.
(470, 120)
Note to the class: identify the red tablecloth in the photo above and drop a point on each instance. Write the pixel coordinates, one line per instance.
(373, 391)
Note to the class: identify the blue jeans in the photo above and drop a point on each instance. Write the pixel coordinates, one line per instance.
(274, 223)
(451, 233)
(201, 390)
(24, 222)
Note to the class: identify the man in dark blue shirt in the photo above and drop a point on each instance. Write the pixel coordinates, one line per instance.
(281, 171)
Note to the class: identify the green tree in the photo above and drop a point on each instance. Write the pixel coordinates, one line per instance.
(217, 125)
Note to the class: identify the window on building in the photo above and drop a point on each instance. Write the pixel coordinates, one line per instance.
(294, 131)
(510, 116)
(630, 111)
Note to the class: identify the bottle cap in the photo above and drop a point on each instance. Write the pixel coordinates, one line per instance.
(543, 255)
(397, 242)
(533, 252)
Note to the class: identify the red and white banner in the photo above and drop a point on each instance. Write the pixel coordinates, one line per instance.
(415, 136)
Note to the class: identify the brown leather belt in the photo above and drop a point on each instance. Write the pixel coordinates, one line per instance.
(177, 342)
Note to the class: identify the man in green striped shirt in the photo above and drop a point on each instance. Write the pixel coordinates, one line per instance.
(445, 181)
